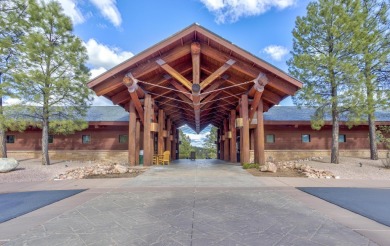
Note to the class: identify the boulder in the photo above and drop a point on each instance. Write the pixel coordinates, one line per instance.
(8, 164)
(121, 169)
(269, 167)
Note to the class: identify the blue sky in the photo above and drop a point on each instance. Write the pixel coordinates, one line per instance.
(113, 31)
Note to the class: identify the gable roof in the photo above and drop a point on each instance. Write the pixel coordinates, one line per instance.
(161, 69)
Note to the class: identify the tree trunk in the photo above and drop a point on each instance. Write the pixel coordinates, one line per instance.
(372, 134)
(45, 142)
(3, 146)
(3, 136)
(335, 137)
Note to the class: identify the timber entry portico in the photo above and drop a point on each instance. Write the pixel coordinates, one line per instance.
(196, 78)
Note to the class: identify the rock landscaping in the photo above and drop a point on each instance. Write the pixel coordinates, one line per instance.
(299, 166)
(102, 170)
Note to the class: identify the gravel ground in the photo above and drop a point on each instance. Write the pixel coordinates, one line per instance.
(32, 170)
(349, 168)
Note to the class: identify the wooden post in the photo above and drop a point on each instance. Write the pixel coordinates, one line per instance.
(233, 140)
(137, 141)
(226, 153)
(173, 147)
(260, 135)
(218, 145)
(222, 144)
(168, 140)
(177, 149)
(161, 123)
(245, 129)
(132, 132)
(148, 151)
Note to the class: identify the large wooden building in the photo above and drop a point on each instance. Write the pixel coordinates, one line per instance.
(196, 78)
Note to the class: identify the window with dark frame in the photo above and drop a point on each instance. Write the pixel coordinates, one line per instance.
(10, 139)
(123, 138)
(51, 139)
(342, 138)
(305, 138)
(86, 139)
(270, 138)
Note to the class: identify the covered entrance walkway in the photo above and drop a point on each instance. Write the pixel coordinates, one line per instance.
(196, 78)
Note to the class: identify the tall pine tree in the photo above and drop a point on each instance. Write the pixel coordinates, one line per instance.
(12, 16)
(209, 143)
(51, 76)
(372, 59)
(322, 55)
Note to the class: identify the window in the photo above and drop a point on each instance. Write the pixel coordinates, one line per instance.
(342, 138)
(123, 138)
(305, 138)
(10, 139)
(86, 139)
(270, 138)
(51, 139)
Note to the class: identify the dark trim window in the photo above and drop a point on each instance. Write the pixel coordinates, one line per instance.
(123, 138)
(51, 139)
(306, 138)
(342, 138)
(10, 139)
(86, 139)
(270, 138)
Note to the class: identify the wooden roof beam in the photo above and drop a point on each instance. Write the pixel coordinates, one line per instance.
(217, 73)
(181, 89)
(131, 83)
(195, 55)
(248, 70)
(212, 87)
(175, 74)
(260, 82)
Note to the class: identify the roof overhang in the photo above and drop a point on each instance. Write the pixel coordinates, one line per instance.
(196, 77)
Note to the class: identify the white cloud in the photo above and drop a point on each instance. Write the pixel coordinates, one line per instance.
(232, 10)
(97, 71)
(109, 10)
(102, 56)
(276, 52)
(11, 101)
(71, 9)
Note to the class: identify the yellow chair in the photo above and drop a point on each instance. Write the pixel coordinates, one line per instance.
(155, 160)
(166, 157)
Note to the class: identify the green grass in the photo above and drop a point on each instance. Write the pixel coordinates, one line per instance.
(250, 165)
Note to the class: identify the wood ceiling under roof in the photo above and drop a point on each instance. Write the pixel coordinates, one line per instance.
(169, 70)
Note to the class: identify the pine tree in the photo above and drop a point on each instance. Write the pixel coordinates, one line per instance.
(11, 31)
(185, 147)
(210, 143)
(51, 76)
(322, 60)
(372, 58)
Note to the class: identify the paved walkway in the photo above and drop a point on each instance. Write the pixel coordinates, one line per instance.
(203, 202)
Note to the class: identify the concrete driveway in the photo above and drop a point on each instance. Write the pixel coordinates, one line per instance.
(202, 202)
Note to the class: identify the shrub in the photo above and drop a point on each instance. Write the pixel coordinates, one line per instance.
(250, 165)
(386, 161)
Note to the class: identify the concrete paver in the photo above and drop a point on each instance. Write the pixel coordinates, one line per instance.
(191, 203)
